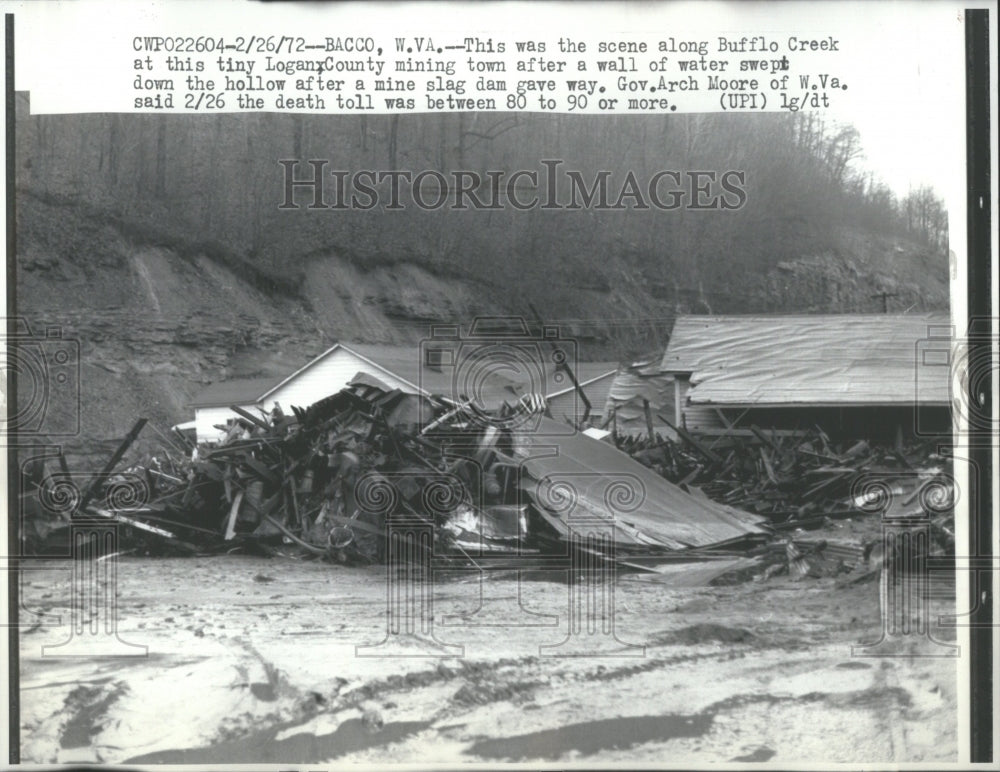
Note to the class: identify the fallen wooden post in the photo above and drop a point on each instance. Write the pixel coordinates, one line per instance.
(649, 419)
(250, 417)
(683, 434)
(88, 492)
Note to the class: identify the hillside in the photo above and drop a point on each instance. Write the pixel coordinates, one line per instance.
(175, 270)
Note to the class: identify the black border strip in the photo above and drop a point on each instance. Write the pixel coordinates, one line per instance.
(13, 478)
(980, 335)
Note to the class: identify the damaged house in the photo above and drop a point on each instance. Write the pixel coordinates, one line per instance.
(873, 376)
(397, 367)
(332, 479)
(412, 370)
(370, 437)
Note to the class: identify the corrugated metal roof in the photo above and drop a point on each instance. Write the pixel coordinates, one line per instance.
(830, 359)
(594, 479)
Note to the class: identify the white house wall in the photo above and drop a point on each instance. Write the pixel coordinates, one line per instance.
(695, 417)
(324, 378)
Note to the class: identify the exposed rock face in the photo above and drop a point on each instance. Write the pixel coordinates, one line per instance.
(158, 320)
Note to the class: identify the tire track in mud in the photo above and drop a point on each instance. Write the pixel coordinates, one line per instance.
(591, 737)
(510, 680)
(263, 747)
(486, 681)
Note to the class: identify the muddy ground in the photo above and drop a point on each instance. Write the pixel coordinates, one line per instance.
(254, 660)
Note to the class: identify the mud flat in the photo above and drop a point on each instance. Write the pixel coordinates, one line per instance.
(253, 659)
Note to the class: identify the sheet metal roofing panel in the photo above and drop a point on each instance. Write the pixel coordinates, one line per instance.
(835, 359)
(597, 474)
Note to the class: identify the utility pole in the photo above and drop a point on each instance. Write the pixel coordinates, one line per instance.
(885, 296)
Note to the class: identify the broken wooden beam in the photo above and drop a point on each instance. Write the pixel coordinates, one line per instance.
(91, 488)
(251, 417)
(690, 440)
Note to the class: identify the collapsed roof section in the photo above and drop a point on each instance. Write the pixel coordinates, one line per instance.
(577, 480)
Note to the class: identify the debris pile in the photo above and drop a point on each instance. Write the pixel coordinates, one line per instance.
(796, 478)
(502, 488)
(331, 480)
(801, 480)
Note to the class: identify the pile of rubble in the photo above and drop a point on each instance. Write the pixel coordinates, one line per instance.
(797, 478)
(331, 481)
(503, 488)
(803, 480)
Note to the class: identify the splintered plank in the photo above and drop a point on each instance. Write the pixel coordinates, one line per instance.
(690, 440)
(91, 489)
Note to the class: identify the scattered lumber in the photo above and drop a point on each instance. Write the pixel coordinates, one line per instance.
(796, 477)
(332, 482)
